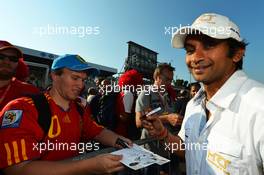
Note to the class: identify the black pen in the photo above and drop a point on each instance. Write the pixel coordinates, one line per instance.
(122, 143)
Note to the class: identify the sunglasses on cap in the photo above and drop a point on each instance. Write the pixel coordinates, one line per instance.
(11, 58)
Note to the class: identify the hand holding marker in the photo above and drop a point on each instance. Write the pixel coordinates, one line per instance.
(154, 111)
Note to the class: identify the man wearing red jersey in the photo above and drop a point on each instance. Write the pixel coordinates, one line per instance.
(10, 87)
(26, 149)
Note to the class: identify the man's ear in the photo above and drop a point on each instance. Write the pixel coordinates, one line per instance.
(239, 55)
(53, 76)
(157, 78)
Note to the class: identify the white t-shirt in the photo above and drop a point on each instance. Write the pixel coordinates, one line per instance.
(232, 140)
(128, 100)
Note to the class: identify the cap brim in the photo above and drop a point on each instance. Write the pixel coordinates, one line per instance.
(19, 52)
(92, 71)
(179, 36)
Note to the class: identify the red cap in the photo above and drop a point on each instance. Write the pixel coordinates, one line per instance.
(131, 77)
(22, 71)
(6, 45)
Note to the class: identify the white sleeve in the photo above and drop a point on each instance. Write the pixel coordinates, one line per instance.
(181, 133)
(262, 156)
(128, 100)
(259, 134)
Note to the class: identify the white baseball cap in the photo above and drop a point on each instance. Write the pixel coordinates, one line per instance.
(211, 24)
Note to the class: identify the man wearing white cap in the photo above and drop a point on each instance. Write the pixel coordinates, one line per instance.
(222, 131)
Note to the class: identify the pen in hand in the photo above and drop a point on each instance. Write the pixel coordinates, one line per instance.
(122, 143)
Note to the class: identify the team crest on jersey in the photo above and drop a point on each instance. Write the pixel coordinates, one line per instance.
(12, 119)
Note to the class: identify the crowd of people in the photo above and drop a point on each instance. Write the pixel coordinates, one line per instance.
(222, 111)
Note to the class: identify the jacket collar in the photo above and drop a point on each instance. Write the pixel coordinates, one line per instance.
(226, 94)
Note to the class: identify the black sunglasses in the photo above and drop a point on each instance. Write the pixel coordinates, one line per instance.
(11, 58)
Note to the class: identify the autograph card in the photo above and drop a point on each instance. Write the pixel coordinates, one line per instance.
(137, 157)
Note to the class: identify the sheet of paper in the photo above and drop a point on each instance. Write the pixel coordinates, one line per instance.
(137, 157)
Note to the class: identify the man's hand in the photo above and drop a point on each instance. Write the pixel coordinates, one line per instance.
(174, 119)
(108, 137)
(126, 141)
(101, 164)
(108, 163)
(154, 125)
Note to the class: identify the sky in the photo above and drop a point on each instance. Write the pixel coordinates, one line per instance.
(100, 29)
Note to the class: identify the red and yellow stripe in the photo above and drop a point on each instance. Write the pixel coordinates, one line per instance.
(15, 151)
